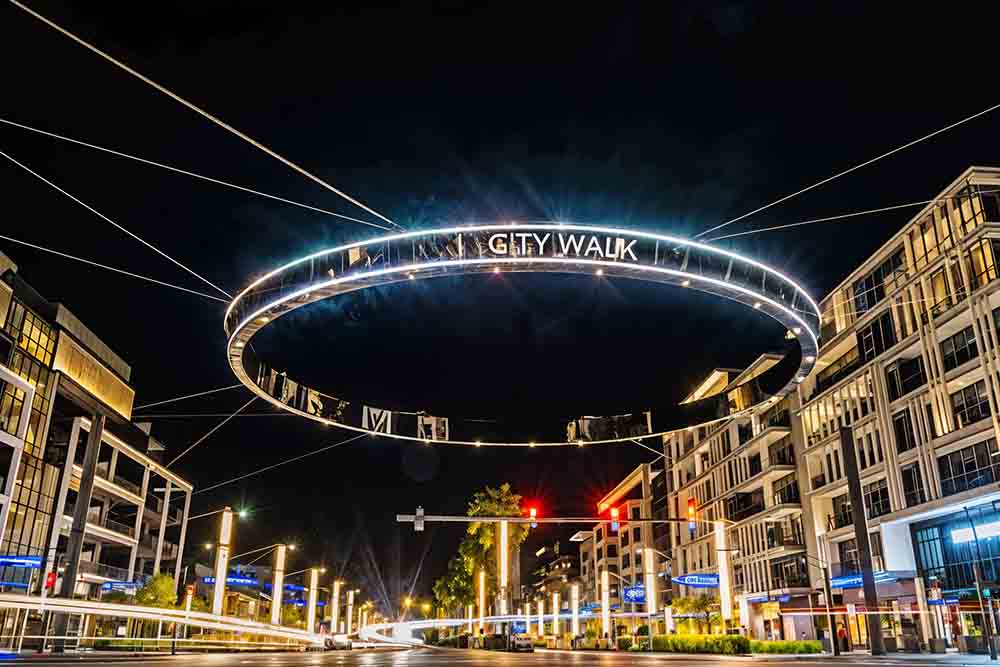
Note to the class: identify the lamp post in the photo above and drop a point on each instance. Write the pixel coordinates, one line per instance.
(555, 614)
(222, 560)
(605, 604)
(350, 610)
(574, 600)
(482, 600)
(335, 604)
(278, 587)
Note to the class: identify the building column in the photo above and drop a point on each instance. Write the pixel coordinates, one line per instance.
(183, 535)
(482, 599)
(79, 527)
(527, 619)
(605, 605)
(138, 526)
(222, 560)
(556, 607)
(313, 592)
(574, 601)
(164, 514)
(541, 617)
(278, 585)
(60, 505)
(350, 609)
(335, 607)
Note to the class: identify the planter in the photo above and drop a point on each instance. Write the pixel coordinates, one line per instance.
(937, 645)
(890, 644)
(911, 644)
(971, 644)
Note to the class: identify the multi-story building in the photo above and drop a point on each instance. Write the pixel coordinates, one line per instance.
(909, 362)
(115, 489)
(742, 472)
(621, 551)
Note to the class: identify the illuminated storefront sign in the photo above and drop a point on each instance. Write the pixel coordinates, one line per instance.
(855, 580)
(983, 531)
(127, 586)
(635, 594)
(31, 562)
(593, 246)
(697, 580)
(233, 581)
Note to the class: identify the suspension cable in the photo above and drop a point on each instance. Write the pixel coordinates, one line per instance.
(190, 173)
(849, 170)
(250, 140)
(181, 398)
(213, 430)
(107, 219)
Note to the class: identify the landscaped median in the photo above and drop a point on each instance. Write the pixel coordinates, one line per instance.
(716, 645)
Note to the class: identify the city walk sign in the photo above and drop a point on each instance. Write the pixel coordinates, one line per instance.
(635, 594)
(697, 580)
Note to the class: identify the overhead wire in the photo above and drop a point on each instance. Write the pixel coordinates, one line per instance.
(849, 170)
(111, 268)
(115, 224)
(279, 464)
(192, 415)
(166, 91)
(213, 430)
(192, 174)
(186, 396)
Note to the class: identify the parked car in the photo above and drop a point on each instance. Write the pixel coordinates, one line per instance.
(521, 643)
(338, 643)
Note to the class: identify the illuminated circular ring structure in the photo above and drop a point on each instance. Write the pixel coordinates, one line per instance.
(523, 247)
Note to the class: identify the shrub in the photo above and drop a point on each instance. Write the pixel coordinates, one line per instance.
(718, 644)
(591, 633)
(539, 642)
(642, 630)
(787, 647)
(624, 643)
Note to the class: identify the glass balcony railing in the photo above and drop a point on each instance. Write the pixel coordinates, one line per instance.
(788, 495)
(782, 454)
(102, 570)
(840, 520)
(818, 481)
(747, 511)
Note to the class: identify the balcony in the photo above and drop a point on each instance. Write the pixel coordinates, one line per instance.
(94, 519)
(788, 496)
(782, 453)
(746, 512)
(103, 472)
(840, 520)
(104, 571)
(744, 432)
(817, 482)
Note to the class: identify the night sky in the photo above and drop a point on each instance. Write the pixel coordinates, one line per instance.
(450, 113)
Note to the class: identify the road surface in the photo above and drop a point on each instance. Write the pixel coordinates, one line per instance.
(466, 658)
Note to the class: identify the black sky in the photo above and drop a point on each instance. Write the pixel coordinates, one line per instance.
(670, 120)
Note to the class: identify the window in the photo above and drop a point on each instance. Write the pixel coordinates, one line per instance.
(971, 404)
(634, 513)
(786, 490)
(32, 333)
(597, 535)
(913, 485)
(876, 497)
(959, 349)
(929, 240)
(626, 561)
(872, 288)
(905, 376)
(968, 468)
(612, 551)
(876, 338)
(981, 261)
(625, 538)
(637, 534)
(902, 426)
(849, 561)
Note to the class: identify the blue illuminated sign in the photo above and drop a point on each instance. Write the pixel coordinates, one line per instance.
(233, 581)
(855, 580)
(119, 586)
(697, 580)
(519, 628)
(635, 594)
(32, 562)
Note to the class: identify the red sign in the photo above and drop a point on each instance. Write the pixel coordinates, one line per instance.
(50, 580)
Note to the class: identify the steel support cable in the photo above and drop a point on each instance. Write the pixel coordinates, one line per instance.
(181, 398)
(111, 268)
(851, 169)
(213, 430)
(191, 173)
(115, 224)
(177, 98)
(279, 464)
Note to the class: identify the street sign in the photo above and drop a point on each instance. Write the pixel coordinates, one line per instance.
(635, 594)
(31, 562)
(697, 580)
(418, 520)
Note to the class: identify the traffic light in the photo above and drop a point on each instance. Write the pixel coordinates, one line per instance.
(533, 513)
(692, 508)
(614, 519)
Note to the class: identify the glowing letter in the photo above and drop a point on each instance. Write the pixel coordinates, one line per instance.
(498, 244)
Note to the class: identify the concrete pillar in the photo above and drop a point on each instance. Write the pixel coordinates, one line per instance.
(503, 556)
(605, 605)
(574, 601)
(482, 599)
(555, 614)
(649, 571)
(527, 618)
(278, 585)
(222, 560)
(469, 611)
(541, 617)
(335, 604)
(313, 591)
(350, 610)
(138, 526)
(75, 544)
(183, 536)
(164, 514)
(725, 579)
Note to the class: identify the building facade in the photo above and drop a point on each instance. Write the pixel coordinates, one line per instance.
(909, 364)
(129, 510)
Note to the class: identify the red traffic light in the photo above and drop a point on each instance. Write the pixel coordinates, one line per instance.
(533, 512)
(614, 513)
(692, 508)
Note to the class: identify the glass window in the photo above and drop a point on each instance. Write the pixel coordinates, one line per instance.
(959, 349)
(981, 262)
(971, 404)
(902, 426)
(876, 338)
(905, 376)
(968, 468)
(913, 485)
(876, 497)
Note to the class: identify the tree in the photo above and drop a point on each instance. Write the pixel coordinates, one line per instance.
(160, 591)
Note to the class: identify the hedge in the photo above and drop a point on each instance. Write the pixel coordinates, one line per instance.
(720, 644)
(792, 646)
(624, 643)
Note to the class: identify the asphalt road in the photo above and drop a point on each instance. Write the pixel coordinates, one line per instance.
(456, 658)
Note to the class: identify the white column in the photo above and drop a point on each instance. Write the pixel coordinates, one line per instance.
(313, 593)
(482, 599)
(164, 514)
(605, 605)
(541, 617)
(725, 580)
(649, 568)
(183, 536)
(138, 517)
(469, 609)
(504, 568)
(350, 609)
(364, 619)
(574, 600)
(555, 613)
(222, 560)
(922, 608)
(527, 618)
(278, 584)
(335, 612)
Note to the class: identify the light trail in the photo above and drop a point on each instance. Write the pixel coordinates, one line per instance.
(169, 93)
(110, 268)
(214, 429)
(851, 169)
(107, 219)
(279, 464)
(181, 398)
(192, 174)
